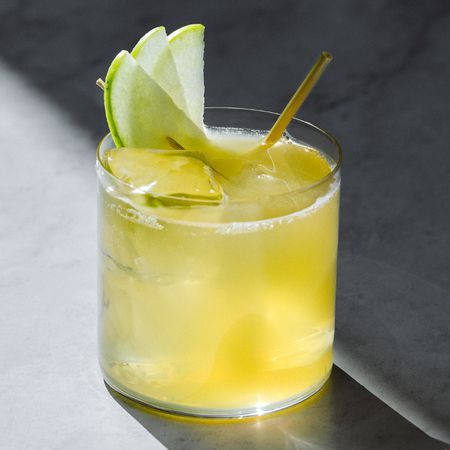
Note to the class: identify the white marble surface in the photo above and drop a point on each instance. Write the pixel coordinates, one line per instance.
(51, 391)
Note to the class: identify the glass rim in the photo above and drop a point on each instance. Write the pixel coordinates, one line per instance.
(203, 202)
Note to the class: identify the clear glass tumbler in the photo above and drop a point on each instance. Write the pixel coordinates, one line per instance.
(222, 311)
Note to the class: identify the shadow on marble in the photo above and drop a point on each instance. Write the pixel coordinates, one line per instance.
(343, 415)
(391, 340)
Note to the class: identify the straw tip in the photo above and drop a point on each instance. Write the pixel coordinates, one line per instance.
(327, 55)
(100, 83)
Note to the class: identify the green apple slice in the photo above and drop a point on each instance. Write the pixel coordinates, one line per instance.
(141, 114)
(187, 46)
(158, 174)
(154, 55)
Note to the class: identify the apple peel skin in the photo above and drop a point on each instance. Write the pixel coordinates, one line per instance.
(106, 98)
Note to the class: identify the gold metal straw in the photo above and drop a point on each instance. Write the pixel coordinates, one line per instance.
(297, 100)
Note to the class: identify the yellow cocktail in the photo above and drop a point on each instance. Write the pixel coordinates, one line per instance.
(223, 306)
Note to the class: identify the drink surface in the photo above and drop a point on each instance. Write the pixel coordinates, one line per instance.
(226, 303)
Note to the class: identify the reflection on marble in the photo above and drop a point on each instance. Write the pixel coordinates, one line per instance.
(342, 415)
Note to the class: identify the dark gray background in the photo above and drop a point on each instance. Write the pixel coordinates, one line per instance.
(385, 97)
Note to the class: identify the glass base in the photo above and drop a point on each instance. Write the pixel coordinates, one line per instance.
(212, 412)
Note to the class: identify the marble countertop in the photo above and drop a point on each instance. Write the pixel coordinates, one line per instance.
(383, 99)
